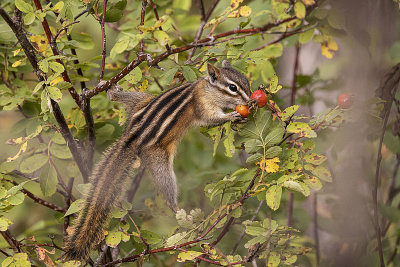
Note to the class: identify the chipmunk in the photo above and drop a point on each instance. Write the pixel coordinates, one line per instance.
(154, 127)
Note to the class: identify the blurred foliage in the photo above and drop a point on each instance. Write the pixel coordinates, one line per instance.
(214, 168)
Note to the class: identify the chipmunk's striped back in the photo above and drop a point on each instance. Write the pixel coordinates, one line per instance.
(152, 133)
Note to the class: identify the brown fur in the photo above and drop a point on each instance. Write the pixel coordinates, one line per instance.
(154, 128)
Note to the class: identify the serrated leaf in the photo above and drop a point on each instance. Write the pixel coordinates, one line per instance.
(75, 206)
(274, 137)
(113, 238)
(306, 36)
(56, 67)
(188, 255)
(269, 165)
(134, 76)
(189, 74)
(54, 93)
(33, 163)
(23, 6)
(175, 239)
(273, 152)
(48, 180)
(258, 126)
(297, 186)
(228, 141)
(299, 10)
(254, 158)
(162, 37)
(118, 212)
(274, 259)
(169, 75)
(302, 129)
(273, 197)
(16, 199)
(60, 151)
(288, 112)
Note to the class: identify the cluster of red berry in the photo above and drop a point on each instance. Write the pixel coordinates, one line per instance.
(261, 99)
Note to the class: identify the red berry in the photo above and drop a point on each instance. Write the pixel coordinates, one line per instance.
(243, 110)
(260, 97)
(345, 101)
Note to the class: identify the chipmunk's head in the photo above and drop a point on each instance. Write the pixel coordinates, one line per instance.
(231, 87)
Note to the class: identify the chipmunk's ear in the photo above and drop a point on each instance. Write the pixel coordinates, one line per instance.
(213, 72)
(225, 64)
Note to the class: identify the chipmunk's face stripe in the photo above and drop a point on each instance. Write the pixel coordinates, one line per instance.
(153, 108)
(162, 118)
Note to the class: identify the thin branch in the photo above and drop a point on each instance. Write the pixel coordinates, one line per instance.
(104, 248)
(142, 14)
(63, 29)
(91, 133)
(41, 201)
(204, 19)
(292, 100)
(387, 92)
(316, 235)
(103, 38)
(209, 41)
(156, 14)
(244, 229)
(64, 74)
(200, 238)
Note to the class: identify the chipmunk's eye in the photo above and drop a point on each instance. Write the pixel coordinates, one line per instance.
(233, 88)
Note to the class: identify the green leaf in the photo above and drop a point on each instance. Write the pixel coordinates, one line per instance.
(182, 4)
(134, 76)
(273, 196)
(4, 223)
(300, 10)
(273, 51)
(321, 172)
(162, 37)
(274, 137)
(60, 151)
(16, 199)
(254, 158)
(115, 12)
(118, 212)
(169, 75)
(23, 6)
(150, 237)
(54, 93)
(257, 126)
(288, 112)
(76, 206)
(44, 65)
(184, 220)
(189, 74)
(33, 163)
(297, 186)
(48, 180)
(113, 238)
(58, 7)
(273, 152)
(120, 46)
(306, 36)
(188, 255)
(228, 141)
(56, 67)
(301, 128)
(176, 238)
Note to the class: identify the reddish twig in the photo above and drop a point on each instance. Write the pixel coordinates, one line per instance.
(41, 201)
(203, 42)
(103, 38)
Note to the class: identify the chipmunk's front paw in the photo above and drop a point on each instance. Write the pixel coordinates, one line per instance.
(236, 117)
(252, 103)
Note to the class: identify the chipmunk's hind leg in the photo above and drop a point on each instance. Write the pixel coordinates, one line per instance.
(160, 164)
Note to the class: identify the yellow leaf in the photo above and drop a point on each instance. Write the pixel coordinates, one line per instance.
(17, 63)
(300, 10)
(329, 47)
(39, 42)
(308, 2)
(21, 150)
(235, 3)
(144, 86)
(16, 52)
(56, 80)
(245, 11)
(269, 165)
(112, 66)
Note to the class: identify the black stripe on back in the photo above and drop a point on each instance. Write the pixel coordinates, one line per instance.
(162, 103)
(166, 113)
(172, 123)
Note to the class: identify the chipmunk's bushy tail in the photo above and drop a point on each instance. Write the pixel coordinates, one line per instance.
(108, 180)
